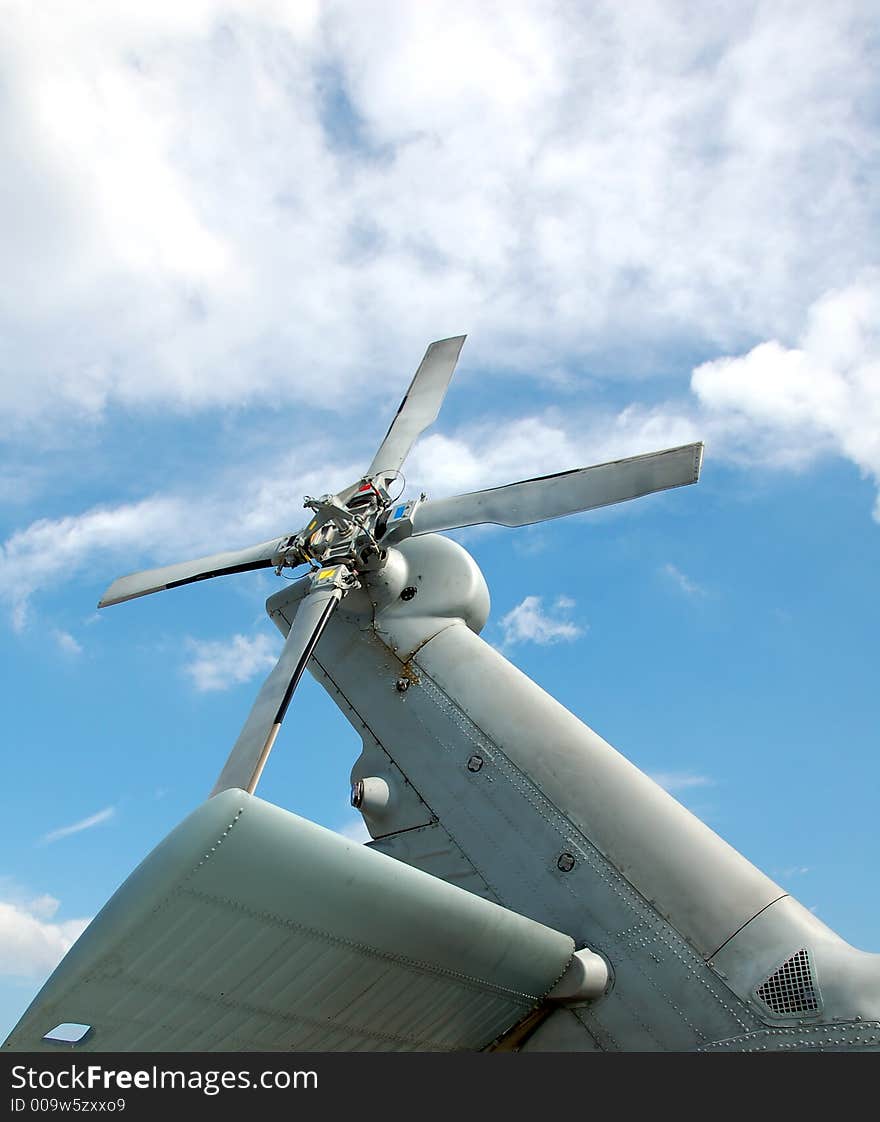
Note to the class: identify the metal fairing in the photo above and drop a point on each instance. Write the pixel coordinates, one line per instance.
(520, 802)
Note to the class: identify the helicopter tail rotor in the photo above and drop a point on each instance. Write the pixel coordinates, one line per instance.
(349, 532)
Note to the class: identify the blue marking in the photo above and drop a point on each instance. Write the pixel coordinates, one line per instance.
(399, 512)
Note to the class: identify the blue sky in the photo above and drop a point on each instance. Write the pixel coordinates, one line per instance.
(232, 229)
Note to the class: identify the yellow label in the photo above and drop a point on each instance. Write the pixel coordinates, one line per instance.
(324, 573)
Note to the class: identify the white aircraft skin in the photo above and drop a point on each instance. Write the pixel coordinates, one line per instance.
(473, 773)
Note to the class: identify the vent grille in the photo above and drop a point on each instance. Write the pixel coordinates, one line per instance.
(790, 989)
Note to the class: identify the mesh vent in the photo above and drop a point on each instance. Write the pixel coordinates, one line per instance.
(790, 989)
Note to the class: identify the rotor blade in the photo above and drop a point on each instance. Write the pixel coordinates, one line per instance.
(420, 405)
(552, 496)
(186, 572)
(251, 750)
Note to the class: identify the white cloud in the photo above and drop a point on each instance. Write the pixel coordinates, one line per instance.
(218, 664)
(489, 454)
(77, 827)
(161, 529)
(184, 179)
(789, 405)
(688, 586)
(33, 557)
(493, 452)
(681, 780)
(43, 907)
(66, 643)
(528, 623)
(31, 944)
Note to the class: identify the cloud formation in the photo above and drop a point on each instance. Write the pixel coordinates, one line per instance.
(219, 205)
(203, 516)
(32, 943)
(529, 623)
(684, 583)
(66, 643)
(33, 557)
(84, 824)
(821, 396)
(219, 664)
(232, 206)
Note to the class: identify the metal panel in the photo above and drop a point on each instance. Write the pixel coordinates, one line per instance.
(250, 928)
(632, 820)
(502, 820)
(431, 849)
(847, 979)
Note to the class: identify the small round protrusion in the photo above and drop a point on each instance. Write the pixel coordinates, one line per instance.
(475, 763)
(408, 593)
(565, 863)
(402, 685)
(587, 977)
(373, 795)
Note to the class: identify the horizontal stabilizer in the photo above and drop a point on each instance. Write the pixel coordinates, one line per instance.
(251, 929)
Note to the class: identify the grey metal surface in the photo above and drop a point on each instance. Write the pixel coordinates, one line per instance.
(432, 849)
(846, 981)
(186, 572)
(845, 1036)
(568, 492)
(502, 827)
(248, 756)
(693, 878)
(405, 810)
(420, 405)
(692, 929)
(249, 928)
(664, 995)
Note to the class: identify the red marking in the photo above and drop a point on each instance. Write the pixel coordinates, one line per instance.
(365, 487)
